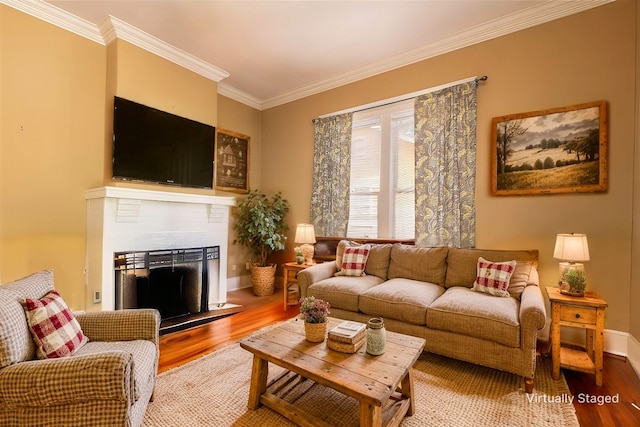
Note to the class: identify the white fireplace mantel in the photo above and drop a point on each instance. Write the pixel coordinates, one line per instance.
(126, 219)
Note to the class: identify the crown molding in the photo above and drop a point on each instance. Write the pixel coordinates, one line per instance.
(240, 96)
(58, 17)
(535, 15)
(113, 28)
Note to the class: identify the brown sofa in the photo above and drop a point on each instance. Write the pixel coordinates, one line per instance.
(427, 292)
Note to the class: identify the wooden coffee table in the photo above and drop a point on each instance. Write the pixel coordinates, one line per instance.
(376, 382)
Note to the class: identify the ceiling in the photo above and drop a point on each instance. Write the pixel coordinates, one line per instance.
(278, 51)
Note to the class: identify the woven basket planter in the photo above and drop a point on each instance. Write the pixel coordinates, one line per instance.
(262, 279)
(315, 332)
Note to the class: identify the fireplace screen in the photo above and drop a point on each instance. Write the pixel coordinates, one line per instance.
(174, 281)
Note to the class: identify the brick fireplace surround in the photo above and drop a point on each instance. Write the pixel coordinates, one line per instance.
(124, 219)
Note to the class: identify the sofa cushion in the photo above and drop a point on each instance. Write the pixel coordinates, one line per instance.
(342, 245)
(55, 330)
(461, 266)
(401, 299)
(378, 261)
(463, 311)
(16, 344)
(343, 291)
(422, 264)
(354, 260)
(493, 277)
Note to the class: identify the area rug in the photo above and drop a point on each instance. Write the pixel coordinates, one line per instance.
(213, 391)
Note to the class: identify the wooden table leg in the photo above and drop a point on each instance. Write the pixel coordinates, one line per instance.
(555, 340)
(259, 373)
(286, 288)
(370, 415)
(407, 391)
(598, 350)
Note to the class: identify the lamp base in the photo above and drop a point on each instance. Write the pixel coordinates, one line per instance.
(566, 288)
(571, 294)
(308, 251)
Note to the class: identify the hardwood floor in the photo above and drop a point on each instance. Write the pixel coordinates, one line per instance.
(257, 312)
(620, 380)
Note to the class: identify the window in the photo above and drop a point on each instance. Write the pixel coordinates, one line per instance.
(382, 188)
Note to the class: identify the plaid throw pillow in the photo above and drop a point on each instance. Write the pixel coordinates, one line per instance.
(354, 260)
(493, 277)
(55, 330)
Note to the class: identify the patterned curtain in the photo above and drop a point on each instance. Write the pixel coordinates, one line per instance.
(331, 175)
(445, 139)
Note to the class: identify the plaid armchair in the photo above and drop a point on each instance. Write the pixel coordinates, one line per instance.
(107, 382)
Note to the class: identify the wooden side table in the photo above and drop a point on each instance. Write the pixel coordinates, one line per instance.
(585, 312)
(291, 270)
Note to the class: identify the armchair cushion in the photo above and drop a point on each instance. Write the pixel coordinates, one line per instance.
(16, 344)
(68, 380)
(55, 330)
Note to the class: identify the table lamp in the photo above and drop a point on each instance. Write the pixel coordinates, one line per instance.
(571, 248)
(306, 236)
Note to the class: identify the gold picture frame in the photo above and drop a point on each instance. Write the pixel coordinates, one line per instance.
(559, 150)
(231, 161)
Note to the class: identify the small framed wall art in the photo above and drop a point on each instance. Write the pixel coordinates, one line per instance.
(560, 150)
(231, 161)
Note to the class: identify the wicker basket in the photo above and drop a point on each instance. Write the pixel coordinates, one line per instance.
(262, 279)
(315, 332)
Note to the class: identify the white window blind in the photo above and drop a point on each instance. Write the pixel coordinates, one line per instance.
(382, 173)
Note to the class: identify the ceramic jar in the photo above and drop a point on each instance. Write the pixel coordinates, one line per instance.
(376, 336)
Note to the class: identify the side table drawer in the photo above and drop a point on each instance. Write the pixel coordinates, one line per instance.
(575, 314)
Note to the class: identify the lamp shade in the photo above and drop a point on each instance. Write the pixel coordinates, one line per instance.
(305, 234)
(571, 247)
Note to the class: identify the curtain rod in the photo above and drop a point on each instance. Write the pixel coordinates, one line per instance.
(401, 98)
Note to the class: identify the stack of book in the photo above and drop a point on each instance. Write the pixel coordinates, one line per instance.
(347, 337)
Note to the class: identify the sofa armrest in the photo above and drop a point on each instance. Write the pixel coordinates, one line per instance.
(314, 274)
(68, 380)
(532, 315)
(121, 325)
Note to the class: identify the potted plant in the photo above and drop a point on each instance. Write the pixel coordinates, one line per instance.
(574, 282)
(315, 312)
(260, 226)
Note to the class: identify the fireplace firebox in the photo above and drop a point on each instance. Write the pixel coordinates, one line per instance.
(176, 282)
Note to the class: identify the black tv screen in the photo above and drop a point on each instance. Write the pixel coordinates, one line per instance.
(150, 145)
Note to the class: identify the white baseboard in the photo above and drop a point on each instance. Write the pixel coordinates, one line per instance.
(238, 282)
(615, 342)
(633, 354)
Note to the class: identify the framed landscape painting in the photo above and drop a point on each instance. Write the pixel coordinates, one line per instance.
(231, 161)
(560, 150)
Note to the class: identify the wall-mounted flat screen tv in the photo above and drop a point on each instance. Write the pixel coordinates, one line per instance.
(150, 145)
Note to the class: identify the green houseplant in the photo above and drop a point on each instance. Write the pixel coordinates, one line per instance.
(576, 282)
(260, 226)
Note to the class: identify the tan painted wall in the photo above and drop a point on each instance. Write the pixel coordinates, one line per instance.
(240, 118)
(634, 313)
(59, 87)
(52, 113)
(56, 120)
(582, 58)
